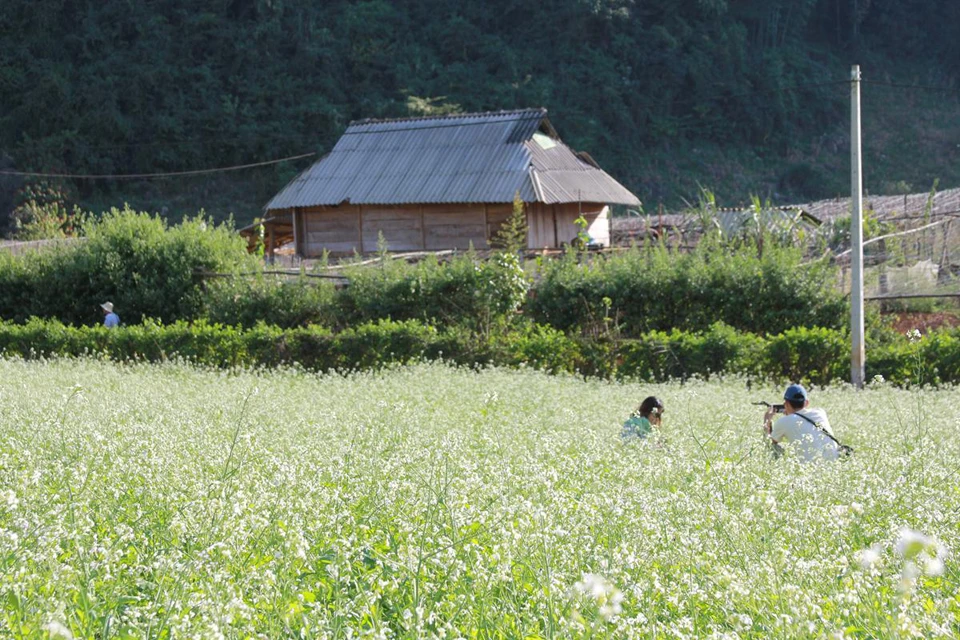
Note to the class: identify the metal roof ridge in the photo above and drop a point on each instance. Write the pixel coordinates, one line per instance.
(542, 111)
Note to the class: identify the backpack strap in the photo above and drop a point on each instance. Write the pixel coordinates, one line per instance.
(844, 449)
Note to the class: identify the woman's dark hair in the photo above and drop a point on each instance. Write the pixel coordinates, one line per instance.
(648, 405)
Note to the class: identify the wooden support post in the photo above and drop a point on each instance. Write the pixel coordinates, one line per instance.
(268, 232)
(360, 228)
(297, 249)
(423, 231)
(943, 271)
(556, 236)
(486, 222)
(882, 248)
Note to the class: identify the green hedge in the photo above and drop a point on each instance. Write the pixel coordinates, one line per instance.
(465, 290)
(652, 289)
(149, 270)
(137, 261)
(628, 294)
(816, 356)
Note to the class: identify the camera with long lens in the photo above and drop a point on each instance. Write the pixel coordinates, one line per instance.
(777, 408)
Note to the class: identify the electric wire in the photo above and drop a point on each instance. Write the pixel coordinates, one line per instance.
(897, 85)
(680, 126)
(140, 176)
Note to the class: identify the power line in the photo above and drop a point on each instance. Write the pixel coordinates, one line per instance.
(796, 87)
(172, 143)
(136, 176)
(908, 86)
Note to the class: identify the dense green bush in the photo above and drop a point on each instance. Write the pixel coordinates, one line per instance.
(939, 355)
(816, 356)
(464, 290)
(149, 270)
(650, 288)
(273, 300)
(538, 346)
(145, 267)
(660, 355)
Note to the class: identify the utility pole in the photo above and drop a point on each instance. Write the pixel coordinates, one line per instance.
(857, 356)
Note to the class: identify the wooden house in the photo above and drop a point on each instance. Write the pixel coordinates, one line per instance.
(445, 182)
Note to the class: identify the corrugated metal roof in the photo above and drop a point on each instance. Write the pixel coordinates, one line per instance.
(481, 157)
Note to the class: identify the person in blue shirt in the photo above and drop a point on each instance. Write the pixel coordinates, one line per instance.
(110, 319)
(643, 421)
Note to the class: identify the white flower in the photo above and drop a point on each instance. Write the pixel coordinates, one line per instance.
(933, 567)
(878, 379)
(612, 608)
(912, 543)
(908, 577)
(57, 630)
(913, 335)
(868, 558)
(607, 597)
(922, 554)
(9, 498)
(592, 585)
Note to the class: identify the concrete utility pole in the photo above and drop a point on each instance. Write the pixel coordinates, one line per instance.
(857, 356)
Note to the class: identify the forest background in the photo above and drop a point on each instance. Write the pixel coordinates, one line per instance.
(745, 97)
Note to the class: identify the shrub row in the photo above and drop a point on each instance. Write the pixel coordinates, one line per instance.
(140, 263)
(650, 288)
(629, 294)
(464, 291)
(149, 270)
(817, 356)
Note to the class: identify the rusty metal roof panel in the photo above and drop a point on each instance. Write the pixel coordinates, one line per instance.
(485, 157)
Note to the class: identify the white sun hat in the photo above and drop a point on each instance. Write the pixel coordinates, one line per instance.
(107, 306)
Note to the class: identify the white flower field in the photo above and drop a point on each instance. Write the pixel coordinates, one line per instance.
(167, 501)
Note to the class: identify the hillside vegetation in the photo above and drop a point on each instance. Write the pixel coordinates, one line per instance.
(743, 97)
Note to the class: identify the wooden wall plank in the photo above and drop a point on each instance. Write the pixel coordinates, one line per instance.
(456, 231)
(454, 226)
(413, 222)
(431, 218)
(401, 227)
(497, 216)
(402, 240)
(598, 227)
(374, 213)
(336, 229)
(316, 250)
(540, 222)
(440, 226)
(452, 240)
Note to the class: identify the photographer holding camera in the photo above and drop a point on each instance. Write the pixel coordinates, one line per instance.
(806, 430)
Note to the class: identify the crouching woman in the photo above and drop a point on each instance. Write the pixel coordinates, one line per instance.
(645, 421)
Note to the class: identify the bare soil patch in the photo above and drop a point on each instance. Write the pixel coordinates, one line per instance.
(924, 322)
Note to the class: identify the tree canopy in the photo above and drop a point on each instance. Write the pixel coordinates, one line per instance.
(111, 86)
